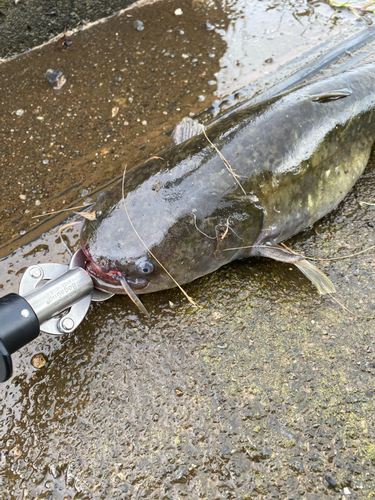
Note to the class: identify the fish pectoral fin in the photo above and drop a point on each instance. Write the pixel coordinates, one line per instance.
(316, 276)
(331, 96)
(184, 130)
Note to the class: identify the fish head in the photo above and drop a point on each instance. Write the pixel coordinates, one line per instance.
(114, 252)
(143, 239)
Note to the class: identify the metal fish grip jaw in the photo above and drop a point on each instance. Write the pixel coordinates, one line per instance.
(53, 298)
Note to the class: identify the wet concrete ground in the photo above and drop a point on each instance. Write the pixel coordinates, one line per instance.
(267, 391)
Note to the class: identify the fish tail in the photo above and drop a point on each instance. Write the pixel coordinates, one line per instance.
(316, 276)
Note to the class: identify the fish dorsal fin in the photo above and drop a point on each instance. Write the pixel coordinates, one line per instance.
(333, 95)
(184, 130)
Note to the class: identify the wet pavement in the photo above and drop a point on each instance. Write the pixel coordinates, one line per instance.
(264, 392)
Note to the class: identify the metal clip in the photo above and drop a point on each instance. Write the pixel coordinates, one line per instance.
(75, 314)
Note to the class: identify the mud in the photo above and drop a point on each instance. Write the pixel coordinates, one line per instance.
(267, 390)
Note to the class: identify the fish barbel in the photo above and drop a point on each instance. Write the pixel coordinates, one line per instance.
(253, 179)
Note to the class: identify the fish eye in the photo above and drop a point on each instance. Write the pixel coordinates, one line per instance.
(144, 267)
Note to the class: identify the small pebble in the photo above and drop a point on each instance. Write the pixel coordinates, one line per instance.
(17, 451)
(20, 112)
(211, 82)
(178, 392)
(22, 232)
(45, 162)
(55, 78)
(144, 122)
(22, 197)
(138, 25)
(185, 56)
(209, 26)
(331, 482)
(346, 491)
(37, 202)
(211, 55)
(201, 98)
(269, 60)
(178, 12)
(38, 361)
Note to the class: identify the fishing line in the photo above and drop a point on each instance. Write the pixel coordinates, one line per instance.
(302, 255)
(348, 310)
(225, 161)
(197, 228)
(57, 212)
(146, 247)
(331, 258)
(62, 228)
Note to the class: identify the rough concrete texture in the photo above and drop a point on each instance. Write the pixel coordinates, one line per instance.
(266, 390)
(27, 23)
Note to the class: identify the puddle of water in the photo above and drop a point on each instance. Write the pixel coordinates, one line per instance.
(263, 390)
(260, 37)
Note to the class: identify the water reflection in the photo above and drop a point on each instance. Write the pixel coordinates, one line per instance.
(263, 35)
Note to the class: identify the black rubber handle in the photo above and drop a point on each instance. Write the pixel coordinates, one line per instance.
(19, 325)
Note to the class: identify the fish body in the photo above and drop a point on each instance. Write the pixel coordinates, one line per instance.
(286, 162)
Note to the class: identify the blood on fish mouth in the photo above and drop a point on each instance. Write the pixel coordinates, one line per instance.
(112, 277)
(117, 277)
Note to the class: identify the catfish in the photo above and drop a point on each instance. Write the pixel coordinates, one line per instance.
(235, 189)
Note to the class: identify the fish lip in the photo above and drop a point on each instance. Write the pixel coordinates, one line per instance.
(107, 281)
(136, 283)
(115, 288)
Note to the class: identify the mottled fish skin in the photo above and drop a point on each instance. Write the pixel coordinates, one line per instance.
(296, 156)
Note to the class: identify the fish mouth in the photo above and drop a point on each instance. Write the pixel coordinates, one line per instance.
(109, 281)
(116, 282)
